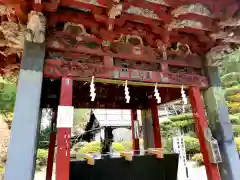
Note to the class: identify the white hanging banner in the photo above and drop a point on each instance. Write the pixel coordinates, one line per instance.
(65, 116)
(179, 148)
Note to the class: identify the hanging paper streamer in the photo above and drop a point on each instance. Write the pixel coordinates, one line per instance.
(184, 97)
(127, 97)
(92, 89)
(156, 94)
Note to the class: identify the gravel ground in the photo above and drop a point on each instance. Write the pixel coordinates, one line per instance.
(197, 173)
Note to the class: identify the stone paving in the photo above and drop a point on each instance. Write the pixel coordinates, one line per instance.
(197, 173)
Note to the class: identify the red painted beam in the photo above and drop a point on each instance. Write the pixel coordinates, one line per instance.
(58, 69)
(201, 126)
(63, 142)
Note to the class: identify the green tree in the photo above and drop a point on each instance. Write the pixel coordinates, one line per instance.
(44, 137)
(81, 117)
(7, 95)
(230, 78)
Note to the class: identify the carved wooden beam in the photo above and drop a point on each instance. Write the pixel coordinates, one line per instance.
(196, 19)
(36, 27)
(185, 24)
(58, 68)
(90, 44)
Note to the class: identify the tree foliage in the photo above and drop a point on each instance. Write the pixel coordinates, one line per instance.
(182, 123)
(181, 117)
(80, 119)
(230, 78)
(231, 63)
(7, 95)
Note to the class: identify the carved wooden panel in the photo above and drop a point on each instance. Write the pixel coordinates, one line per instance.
(58, 68)
(80, 57)
(148, 66)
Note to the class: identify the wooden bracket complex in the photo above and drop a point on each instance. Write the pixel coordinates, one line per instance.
(157, 151)
(127, 155)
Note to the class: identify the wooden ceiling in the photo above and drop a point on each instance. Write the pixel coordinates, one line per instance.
(202, 27)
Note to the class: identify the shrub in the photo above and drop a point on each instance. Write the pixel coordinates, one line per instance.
(168, 145)
(181, 117)
(192, 145)
(92, 147)
(127, 144)
(191, 134)
(117, 147)
(95, 146)
(183, 123)
(1, 170)
(230, 79)
(235, 119)
(233, 98)
(42, 156)
(236, 130)
(234, 105)
(78, 145)
(167, 129)
(237, 140)
(230, 84)
(234, 110)
(232, 91)
(198, 158)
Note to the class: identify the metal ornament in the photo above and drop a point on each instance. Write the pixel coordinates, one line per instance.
(127, 96)
(92, 89)
(156, 94)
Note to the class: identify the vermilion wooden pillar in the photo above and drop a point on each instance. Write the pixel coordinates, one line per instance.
(51, 147)
(201, 126)
(135, 140)
(156, 127)
(63, 140)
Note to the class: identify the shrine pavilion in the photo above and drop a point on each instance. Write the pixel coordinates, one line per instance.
(117, 54)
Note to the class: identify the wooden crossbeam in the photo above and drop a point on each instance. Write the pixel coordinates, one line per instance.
(78, 71)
